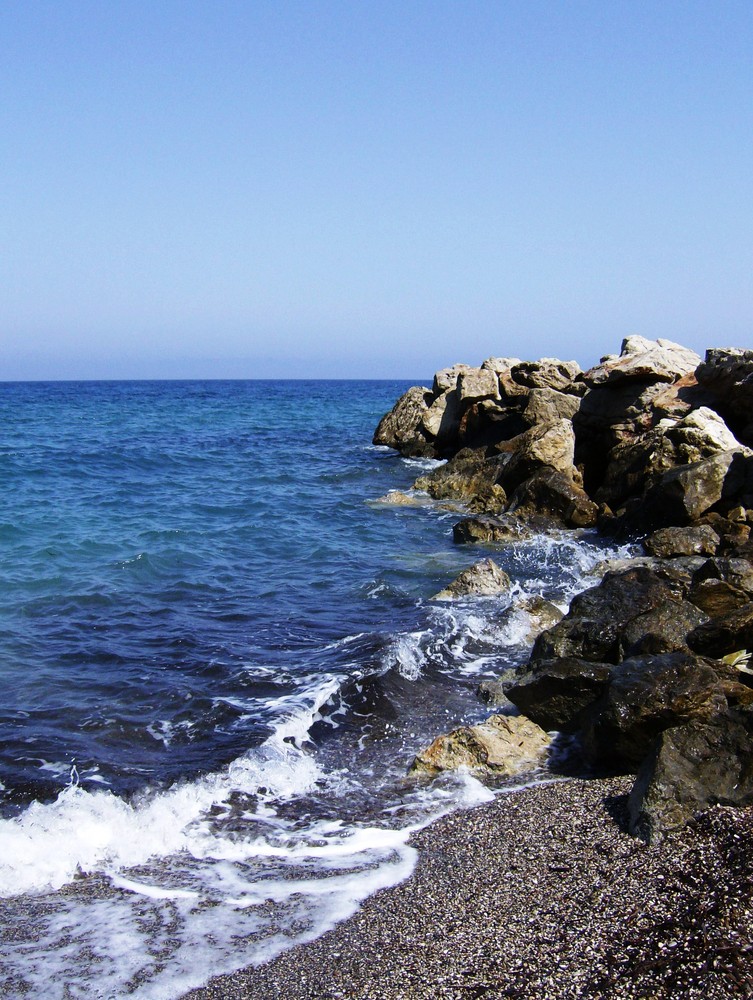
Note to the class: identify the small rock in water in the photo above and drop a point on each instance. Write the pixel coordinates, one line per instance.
(501, 745)
(483, 579)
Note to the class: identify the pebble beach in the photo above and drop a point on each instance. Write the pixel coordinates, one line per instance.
(541, 894)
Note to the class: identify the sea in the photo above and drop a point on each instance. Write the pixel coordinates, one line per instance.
(219, 654)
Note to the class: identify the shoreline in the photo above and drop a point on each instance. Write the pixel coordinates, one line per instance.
(540, 894)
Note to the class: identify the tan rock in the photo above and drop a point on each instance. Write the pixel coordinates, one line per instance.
(504, 744)
(484, 579)
(476, 384)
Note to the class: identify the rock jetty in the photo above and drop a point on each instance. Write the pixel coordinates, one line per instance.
(648, 670)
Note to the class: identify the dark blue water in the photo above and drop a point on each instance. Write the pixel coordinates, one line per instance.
(218, 655)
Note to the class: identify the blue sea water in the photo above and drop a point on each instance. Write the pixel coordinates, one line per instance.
(218, 654)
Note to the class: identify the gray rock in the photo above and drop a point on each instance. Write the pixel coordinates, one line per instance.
(447, 378)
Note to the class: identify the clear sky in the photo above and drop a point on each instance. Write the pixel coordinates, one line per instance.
(341, 188)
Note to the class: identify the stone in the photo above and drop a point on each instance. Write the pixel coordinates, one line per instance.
(685, 493)
(695, 541)
(482, 579)
(468, 474)
(727, 374)
(700, 434)
(547, 406)
(545, 446)
(477, 384)
(737, 572)
(724, 634)
(402, 428)
(493, 693)
(690, 768)
(717, 597)
(395, 498)
(641, 359)
(546, 373)
(555, 495)
(500, 365)
(661, 630)
(503, 745)
(645, 696)
(442, 418)
(446, 379)
(594, 625)
(489, 529)
(558, 693)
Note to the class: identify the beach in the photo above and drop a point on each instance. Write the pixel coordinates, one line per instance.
(541, 894)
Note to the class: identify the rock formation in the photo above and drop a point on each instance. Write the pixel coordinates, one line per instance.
(649, 669)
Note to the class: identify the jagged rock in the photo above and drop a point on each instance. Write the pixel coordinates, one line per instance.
(699, 434)
(546, 373)
(500, 365)
(737, 572)
(501, 745)
(442, 419)
(732, 534)
(661, 630)
(494, 530)
(558, 693)
(690, 768)
(535, 614)
(724, 634)
(483, 579)
(447, 378)
(653, 360)
(477, 384)
(464, 476)
(493, 693)
(685, 493)
(669, 542)
(717, 597)
(545, 446)
(546, 406)
(488, 422)
(593, 626)
(645, 696)
(553, 494)
(727, 374)
(402, 427)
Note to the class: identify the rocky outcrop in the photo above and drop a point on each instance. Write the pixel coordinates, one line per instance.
(502, 745)
(651, 669)
(483, 579)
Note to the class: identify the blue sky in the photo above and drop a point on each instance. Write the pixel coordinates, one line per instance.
(353, 189)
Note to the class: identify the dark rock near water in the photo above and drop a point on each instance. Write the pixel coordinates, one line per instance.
(483, 579)
(490, 530)
(554, 494)
(690, 768)
(669, 542)
(559, 693)
(725, 634)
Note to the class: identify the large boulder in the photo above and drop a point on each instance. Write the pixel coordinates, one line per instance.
(483, 579)
(548, 373)
(690, 768)
(469, 474)
(402, 428)
(442, 418)
(685, 493)
(558, 694)
(645, 696)
(554, 494)
(502, 745)
(668, 542)
(546, 406)
(489, 530)
(594, 626)
(476, 384)
(727, 375)
(724, 634)
(544, 446)
(641, 359)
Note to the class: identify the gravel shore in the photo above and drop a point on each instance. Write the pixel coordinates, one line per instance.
(541, 894)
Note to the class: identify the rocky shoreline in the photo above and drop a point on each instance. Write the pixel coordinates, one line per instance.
(648, 671)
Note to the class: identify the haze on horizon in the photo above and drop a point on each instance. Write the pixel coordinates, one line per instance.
(314, 188)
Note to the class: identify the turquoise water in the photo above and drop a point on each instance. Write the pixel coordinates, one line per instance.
(218, 654)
